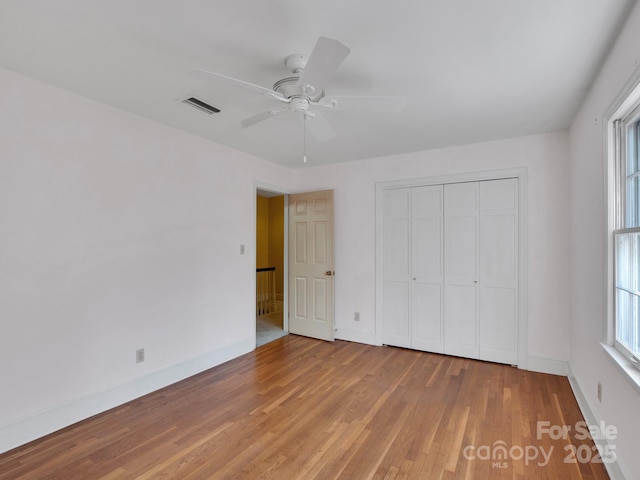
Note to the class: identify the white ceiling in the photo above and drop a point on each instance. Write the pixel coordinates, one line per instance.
(471, 70)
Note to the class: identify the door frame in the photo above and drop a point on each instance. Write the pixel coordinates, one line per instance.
(521, 174)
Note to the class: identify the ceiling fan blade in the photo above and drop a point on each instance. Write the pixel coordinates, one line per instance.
(325, 58)
(319, 127)
(267, 92)
(247, 122)
(365, 104)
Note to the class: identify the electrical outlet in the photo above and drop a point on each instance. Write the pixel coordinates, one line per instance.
(599, 391)
(140, 355)
(356, 317)
(242, 249)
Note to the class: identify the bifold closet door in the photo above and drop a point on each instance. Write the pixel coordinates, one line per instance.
(498, 265)
(396, 267)
(461, 214)
(450, 269)
(427, 292)
(481, 270)
(412, 287)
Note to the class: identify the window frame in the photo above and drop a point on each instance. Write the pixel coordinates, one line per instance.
(631, 355)
(624, 113)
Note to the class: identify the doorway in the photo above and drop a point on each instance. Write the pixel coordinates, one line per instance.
(270, 272)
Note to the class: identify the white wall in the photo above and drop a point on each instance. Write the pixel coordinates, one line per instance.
(117, 233)
(589, 363)
(546, 158)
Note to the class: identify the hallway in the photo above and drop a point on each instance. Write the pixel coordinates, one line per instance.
(269, 327)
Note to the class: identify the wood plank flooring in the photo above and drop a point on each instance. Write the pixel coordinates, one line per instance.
(299, 408)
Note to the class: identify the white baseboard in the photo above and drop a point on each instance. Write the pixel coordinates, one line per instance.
(616, 469)
(49, 420)
(356, 336)
(547, 365)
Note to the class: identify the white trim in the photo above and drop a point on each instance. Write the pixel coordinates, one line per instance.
(357, 336)
(628, 96)
(267, 187)
(616, 470)
(521, 174)
(16, 433)
(547, 365)
(285, 262)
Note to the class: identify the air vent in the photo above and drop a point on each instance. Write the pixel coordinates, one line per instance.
(200, 105)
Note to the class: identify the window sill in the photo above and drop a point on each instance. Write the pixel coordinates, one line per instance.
(629, 371)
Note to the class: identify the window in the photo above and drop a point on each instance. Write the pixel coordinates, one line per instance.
(626, 234)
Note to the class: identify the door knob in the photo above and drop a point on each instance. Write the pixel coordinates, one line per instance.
(328, 273)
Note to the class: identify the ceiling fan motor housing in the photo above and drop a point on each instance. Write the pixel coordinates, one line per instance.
(289, 88)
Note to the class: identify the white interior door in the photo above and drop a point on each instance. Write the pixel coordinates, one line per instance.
(498, 270)
(311, 265)
(461, 206)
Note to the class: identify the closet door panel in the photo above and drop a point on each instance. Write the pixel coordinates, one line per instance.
(498, 249)
(462, 248)
(461, 213)
(427, 318)
(498, 316)
(460, 325)
(396, 248)
(395, 311)
(396, 265)
(427, 269)
(497, 325)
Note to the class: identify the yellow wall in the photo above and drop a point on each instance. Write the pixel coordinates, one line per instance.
(276, 240)
(262, 233)
(270, 237)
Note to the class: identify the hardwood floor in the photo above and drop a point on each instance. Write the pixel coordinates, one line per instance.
(299, 408)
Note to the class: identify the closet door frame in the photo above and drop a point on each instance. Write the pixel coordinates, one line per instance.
(521, 175)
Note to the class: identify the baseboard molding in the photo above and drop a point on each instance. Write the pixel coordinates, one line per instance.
(615, 470)
(547, 365)
(47, 421)
(356, 336)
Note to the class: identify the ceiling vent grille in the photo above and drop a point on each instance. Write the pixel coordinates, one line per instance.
(200, 105)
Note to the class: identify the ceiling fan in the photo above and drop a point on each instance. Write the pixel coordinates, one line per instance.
(303, 93)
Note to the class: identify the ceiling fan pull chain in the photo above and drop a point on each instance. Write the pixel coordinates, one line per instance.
(304, 136)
